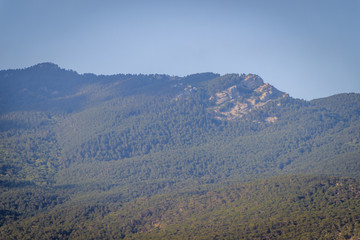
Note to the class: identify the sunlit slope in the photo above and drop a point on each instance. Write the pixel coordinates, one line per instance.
(286, 207)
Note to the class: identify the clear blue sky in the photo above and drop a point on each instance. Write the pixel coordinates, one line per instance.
(308, 48)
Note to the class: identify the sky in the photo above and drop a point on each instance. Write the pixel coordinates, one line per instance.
(309, 48)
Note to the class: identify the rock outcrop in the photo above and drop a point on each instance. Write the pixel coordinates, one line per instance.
(240, 99)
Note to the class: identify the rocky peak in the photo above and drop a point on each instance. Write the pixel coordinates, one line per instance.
(268, 92)
(252, 81)
(233, 103)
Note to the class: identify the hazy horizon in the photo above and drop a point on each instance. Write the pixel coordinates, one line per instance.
(308, 49)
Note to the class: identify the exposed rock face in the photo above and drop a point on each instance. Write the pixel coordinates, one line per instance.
(227, 95)
(233, 103)
(186, 92)
(252, 81)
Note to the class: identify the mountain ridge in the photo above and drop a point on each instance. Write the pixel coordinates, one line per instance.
(53, 66)
(87, 110)
(78, 147)
(52, 82)
(197, 77)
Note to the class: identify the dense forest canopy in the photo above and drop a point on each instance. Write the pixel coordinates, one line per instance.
(93, 156)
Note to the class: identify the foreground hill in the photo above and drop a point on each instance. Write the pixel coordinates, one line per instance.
(287, 207)
(78, 140)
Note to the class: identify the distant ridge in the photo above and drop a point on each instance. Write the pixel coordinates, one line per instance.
(45, 65)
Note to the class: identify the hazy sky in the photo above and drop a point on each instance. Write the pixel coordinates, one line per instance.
(309, 49)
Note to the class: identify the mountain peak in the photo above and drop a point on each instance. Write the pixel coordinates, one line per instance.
(46, 66)
(252, 81)
(240, 99)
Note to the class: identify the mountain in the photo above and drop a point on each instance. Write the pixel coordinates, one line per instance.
(79, 147)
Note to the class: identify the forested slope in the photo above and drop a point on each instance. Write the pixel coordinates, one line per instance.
(287, 207)
(71, 140)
